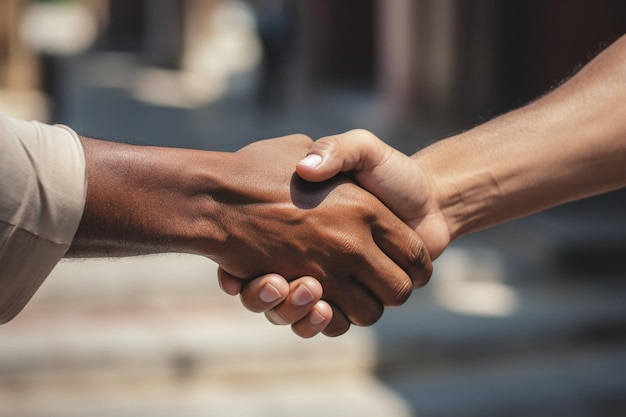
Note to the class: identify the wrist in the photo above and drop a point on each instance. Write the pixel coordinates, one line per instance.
(463, 187)
(141, 200)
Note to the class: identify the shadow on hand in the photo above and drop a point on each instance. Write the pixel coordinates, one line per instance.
(308, 195)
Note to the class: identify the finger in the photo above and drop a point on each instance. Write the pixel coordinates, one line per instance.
(356, 301)
(230, 284)
(338, 325)
(314, 322)
(384, 278)
(402, 245)
(303, 295)
(354, 150)
(264, 293)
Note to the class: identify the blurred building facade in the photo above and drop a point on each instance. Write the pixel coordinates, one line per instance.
(440, 61)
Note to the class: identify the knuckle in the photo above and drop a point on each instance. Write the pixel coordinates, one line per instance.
(348, 244)
(326, 144)
(361, 205)
(362, 134)
(369, 316)
(421, 281)
(421, 268)
(426, 270)
(402, 292)
(344, 142)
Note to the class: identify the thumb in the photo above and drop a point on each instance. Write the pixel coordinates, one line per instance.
(354, 150)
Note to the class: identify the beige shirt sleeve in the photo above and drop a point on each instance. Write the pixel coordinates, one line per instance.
(42, 183)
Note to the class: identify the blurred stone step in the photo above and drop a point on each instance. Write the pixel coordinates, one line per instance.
(271, 396)
(144, 280)
(57, 344)
(155, 336)
(168, 310)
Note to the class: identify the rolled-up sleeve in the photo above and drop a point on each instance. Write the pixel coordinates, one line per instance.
(42, 183)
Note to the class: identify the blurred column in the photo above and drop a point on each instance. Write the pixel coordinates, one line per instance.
(399, 46)
(437, 58)
(275, 29)
(197, 23)
(152, 29)
(336, 41)
(163, 38)
(125, 26)
(18, 65)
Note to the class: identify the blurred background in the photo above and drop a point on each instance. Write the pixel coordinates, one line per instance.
(526, 319)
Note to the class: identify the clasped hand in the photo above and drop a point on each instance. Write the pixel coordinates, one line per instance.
(362, 254)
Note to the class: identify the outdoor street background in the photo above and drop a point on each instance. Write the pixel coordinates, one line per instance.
(525, 319)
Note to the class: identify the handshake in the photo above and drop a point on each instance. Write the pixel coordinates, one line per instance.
(357, 218)
(361, 249)
(320, 235)
(324, 235)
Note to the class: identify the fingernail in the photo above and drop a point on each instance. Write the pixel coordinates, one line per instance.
(311, 161)
(269, 294)
(316, 318)
(302, 296)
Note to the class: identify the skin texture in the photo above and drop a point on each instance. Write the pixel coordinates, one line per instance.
(249, 212)
(567, 145)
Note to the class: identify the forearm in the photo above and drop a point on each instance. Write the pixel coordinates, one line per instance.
(144, 200)
(567, 145)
